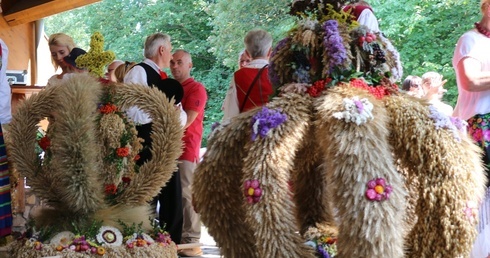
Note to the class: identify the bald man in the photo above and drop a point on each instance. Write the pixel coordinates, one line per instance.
(194, 101)
(110, 70)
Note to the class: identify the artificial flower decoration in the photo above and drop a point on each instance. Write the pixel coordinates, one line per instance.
(110, 236)
(108, 108)
(471, 210)
(122, 152)
(44, 143)
(110, 189)
(441, 121)
(334, 47)
(378, 190)
(265, 120)
(252, 191)
(356, 110)
(317, 88)
(62, 238)
(96, 58)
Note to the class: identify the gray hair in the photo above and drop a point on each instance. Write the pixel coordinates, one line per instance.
(185, 52)
(154, 41)
(258, 43)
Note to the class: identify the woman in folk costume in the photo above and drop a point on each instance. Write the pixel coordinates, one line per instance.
(250, 86)
(363, 14)
(5, 117)
(471, 62)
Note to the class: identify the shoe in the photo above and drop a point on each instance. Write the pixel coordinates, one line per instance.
(191, 252)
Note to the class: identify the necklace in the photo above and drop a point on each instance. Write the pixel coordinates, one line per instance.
(482, 30)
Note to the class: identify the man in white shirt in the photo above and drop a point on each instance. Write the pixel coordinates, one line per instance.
(149, 72)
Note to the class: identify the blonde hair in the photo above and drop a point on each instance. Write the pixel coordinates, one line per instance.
(122, 70)
(483, 4)
(431, 79)
(60, 40)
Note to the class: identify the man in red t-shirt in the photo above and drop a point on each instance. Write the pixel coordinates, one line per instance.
(194, 101)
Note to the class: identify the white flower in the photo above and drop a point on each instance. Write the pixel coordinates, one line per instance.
(110, 236)
(147, 238)
(356, 110)
(62, 238)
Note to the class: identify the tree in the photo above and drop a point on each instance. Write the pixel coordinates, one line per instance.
(425, 33)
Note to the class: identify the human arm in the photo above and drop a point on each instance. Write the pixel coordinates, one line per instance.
(195, 102)
(5, 100)
(471, 77)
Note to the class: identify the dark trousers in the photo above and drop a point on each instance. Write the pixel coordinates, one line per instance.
(171, 213)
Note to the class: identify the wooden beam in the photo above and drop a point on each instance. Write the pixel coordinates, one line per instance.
(24, 11)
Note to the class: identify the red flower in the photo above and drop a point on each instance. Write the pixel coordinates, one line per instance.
(377, 91)
(110, 189)
(316, 89)
(122, 152)
(126, 180)
(44, 143)
(108, 108)
(137, 157)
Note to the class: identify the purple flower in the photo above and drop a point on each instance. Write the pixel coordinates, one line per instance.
(214, 125)
(265, 120)
(333, 43)
(359, 105)
(322, 252)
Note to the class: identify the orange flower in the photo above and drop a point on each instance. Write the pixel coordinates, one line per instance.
(44, 143)
(100, 250)
(122, 152)
(108, 108)
(110, 189)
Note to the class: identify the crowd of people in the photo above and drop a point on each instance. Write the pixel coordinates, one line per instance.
(250, 88)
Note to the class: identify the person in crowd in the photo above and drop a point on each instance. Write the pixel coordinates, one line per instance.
(60, 45)
(111, 68)
(243, 59)
(362, 12)
(157, 52)
(5, 118)
(250, 86)
(433, 86)
(194, 102)
(413, 86)
(122, 70)
(471, 62)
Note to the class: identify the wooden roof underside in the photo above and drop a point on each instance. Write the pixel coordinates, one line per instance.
(17, 12)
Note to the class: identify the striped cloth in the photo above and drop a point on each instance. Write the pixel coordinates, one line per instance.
(5, 198)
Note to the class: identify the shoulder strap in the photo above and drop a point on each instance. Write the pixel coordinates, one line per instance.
(251, 86)
(152, 76)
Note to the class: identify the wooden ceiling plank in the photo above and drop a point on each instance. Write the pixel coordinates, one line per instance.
(44, 10)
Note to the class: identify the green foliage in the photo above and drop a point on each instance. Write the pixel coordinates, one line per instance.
(129, 230)
(425, 33)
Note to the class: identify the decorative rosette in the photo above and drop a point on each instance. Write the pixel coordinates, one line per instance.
(356, 110)
(378, 190)
(252, 191)
(441, 121)
(110, 236)
(471, 210)
(265, 120)
(63, 238)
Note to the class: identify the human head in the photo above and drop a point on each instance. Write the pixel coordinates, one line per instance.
(70, 60)
(181, 65)
(122, 70)
(413, 86)
(258, 43)
(158, 48)
(243, 59)
(111, 68)
(433, 85)
(60, 45)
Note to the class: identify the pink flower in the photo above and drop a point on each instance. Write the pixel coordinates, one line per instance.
(371, 194)
(478, 134)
